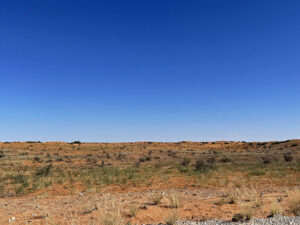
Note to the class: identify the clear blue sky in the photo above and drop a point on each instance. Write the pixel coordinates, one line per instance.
(160, 70)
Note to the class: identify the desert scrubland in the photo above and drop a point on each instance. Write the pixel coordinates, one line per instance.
(147, 182)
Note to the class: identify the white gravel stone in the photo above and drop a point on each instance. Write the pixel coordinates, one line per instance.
(277, 220)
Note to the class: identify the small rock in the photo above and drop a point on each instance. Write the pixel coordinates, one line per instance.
(11, 219)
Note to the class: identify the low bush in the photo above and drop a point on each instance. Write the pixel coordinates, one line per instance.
(20, 179)
(144, 158)
(266, 159)
(19, 189)
(44, 171)
(203, 165)
(172, 154)
(288, 157)
(37, 159)
(121, 156)
(225, 160)
(186, 161)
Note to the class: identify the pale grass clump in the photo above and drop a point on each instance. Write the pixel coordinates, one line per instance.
(275, 207)
(243, 198)
(174, 201)
(248, 202)
(253, 197)
(249, 195)
(88, 207)
(50, 219)
(231, 197)
(293, 202)
(111, 215)
(172, 218)
(247, 211)
(111, 218)
(133, 210)
(156, 198)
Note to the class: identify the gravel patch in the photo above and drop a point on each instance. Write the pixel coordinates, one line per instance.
(277, 220)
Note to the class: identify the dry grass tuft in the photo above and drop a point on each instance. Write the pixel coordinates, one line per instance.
(156, 198)
(133, 210)
(172, 218)
(174, 201)
(247, 211)
(231, 197)
(111, 215)
(294, 202)
(248, 202)
(275, 207)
